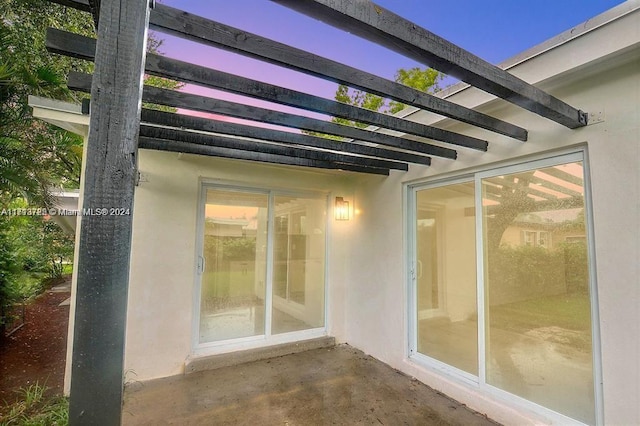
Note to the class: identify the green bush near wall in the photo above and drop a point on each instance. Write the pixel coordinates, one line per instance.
(526, 272)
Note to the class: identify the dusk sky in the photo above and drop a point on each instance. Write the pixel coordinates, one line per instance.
(495, 30)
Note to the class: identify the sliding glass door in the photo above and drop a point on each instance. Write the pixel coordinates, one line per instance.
(501, 283)
(262, 264)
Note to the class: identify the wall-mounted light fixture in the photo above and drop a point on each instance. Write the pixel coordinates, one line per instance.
(341, 209)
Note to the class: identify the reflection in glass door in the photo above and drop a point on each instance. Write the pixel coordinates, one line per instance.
(429, 286)
(233, 265)
(446, 302)
(239, 298)
(298, 270)
(502, 283)
(537, 296)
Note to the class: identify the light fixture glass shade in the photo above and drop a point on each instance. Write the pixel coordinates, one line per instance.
(341, 209)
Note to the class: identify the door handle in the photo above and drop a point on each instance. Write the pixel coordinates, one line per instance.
(201, 264)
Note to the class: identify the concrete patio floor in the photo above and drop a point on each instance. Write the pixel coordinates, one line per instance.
(331, 386)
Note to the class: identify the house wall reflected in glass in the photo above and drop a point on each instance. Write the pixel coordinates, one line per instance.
(538, 312)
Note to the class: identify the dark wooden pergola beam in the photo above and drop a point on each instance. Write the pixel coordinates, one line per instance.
(182, 121)
(84, 47)
(82, 5)
(215, 151)
(59, 42)
(105, 239)
(172, 98)
(94, 8)
(205, 31)
(383, 27)
(264, 147)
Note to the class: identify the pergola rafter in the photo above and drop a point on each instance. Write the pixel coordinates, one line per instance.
(217, 150)
(84, 47)
(177, 99)
(266, 148)
(383, 27)
(182, 121)
(192, 27)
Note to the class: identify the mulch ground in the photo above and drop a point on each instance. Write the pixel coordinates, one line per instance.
(37, 351)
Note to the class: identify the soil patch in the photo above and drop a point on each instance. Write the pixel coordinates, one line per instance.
(37, 351)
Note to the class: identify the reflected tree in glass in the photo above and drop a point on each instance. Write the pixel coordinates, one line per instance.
(537, 301)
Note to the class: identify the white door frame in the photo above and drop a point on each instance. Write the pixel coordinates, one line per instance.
(479, 382)
(266, 339)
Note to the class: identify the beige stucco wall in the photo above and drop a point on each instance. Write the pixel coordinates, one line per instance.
(613, 147)
(163, 260)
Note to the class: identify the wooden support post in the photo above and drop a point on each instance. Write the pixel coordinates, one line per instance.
(105, 234)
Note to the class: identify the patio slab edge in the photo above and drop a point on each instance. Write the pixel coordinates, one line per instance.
(213, 362)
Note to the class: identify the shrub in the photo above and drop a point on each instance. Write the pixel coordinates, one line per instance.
(526, 272)
(8, 273)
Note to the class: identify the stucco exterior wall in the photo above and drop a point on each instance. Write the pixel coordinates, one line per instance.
(613, 149)
(163, 261)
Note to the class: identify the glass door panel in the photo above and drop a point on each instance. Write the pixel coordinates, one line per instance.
(233, 265)
(537, 301)
(445, 272)
(298, 273)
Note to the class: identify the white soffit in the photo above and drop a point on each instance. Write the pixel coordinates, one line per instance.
(59, 113)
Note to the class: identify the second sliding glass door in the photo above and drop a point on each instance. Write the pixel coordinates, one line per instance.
(262, 264)
(501, 284)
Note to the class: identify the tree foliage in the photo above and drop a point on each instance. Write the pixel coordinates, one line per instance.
(36, 156)
(154, 45)
(423, 79)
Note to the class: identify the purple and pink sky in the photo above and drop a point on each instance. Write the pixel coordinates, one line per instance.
(495, 30)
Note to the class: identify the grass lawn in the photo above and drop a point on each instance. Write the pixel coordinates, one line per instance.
(568, 311)
(34, 409)
(229, 284)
